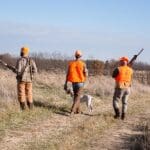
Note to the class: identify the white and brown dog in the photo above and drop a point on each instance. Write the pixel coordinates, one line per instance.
(86, 98)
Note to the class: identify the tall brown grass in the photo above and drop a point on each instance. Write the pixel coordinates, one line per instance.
(8, 92)
(100, 86)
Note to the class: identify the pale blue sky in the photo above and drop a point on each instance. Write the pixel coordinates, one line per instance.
(102, 29)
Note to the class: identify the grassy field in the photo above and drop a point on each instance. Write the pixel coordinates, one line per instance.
(48, 126)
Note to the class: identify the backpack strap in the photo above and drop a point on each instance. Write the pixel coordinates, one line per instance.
(19, 77)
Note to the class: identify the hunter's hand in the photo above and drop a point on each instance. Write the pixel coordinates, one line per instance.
(135, 56)
(65, 86)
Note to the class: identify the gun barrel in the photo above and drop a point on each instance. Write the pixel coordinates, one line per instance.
(3, 63)
(12, 68)
(140, 52)
(134, 57)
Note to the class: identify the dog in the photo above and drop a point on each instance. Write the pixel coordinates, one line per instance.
(86, 98)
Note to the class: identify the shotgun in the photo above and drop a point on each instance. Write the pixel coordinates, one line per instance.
(12, 68)
(135, 57)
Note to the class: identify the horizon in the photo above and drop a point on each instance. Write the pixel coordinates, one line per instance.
(61, 56)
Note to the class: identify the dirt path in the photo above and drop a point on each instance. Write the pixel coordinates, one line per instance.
(64, 129)
(121, 136)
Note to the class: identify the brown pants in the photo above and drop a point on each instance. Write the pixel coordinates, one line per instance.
(25, 92)
(76, 101)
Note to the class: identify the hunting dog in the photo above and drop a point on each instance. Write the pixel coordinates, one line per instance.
(86, 98)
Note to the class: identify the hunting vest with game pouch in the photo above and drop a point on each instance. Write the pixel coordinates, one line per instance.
(76, 71)
(25, 69)
(123, 79)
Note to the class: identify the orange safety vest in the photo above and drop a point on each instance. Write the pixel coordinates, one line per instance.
(76, 71)
(123, 79)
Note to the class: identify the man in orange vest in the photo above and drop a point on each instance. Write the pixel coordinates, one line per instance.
(76, 74)
(123, 77)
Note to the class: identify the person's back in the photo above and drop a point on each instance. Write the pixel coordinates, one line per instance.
(26, 68)
(76, 71)
(123, 79)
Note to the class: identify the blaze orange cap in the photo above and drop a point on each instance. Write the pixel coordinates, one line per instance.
(124, 59)
(78, 53)
(25, 50)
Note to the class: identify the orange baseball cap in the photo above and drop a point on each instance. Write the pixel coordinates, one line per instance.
(78, 53)
(124, 59)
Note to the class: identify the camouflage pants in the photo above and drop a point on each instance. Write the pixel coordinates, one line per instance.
(122, 94)
(25, 92)
(77, 89)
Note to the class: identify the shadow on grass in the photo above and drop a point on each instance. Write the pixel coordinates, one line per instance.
(134, 142)
(138, 141)
(88, 114)
(61, 110)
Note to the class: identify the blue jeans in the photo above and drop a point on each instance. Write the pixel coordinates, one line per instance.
(77, 85)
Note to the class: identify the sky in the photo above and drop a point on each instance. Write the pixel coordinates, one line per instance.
(101, 29)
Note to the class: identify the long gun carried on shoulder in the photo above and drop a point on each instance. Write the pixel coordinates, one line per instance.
(134, 58)
(12, 68)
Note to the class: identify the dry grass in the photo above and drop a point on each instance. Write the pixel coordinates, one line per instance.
(141, 140)
(51, 109)
(7, 93)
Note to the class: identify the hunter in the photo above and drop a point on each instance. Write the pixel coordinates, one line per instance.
(123, 77)
(25, 69)
(76, 74)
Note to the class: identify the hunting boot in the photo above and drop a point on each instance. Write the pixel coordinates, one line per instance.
(117, 113)
(30, 105)
(22, 105)
(123, 116)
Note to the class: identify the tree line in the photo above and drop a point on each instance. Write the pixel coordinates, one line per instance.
(56, 62)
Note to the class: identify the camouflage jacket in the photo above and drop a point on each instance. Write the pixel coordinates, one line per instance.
(25, 69)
